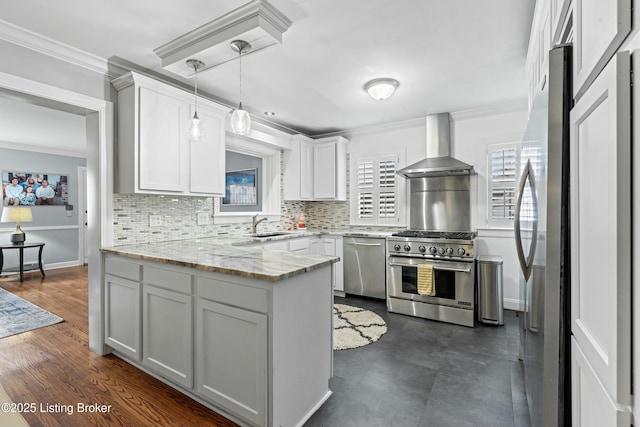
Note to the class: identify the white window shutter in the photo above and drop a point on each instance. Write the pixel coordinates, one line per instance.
(375, 190)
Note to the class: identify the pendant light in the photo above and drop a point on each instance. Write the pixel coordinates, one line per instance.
(240, 118)
(195, 127)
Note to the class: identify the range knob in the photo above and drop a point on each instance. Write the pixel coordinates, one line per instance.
(397, 247)
(461, 251)
(449, 251)
(422, 249)
(441, 251)
(407, 248)
(432, 250)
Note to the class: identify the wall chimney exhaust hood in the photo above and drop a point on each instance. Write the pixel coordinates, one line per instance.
(258, 22)
(439, 161)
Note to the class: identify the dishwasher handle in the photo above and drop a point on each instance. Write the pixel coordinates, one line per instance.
(362, 244)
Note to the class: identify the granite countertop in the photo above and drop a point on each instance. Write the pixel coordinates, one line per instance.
(233, 254)
(227, 255)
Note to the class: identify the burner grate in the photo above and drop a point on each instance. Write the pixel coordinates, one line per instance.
(426, 234)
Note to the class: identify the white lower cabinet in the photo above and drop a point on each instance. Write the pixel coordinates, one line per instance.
(332, 245)
(300, 245)
(168, 334)
(122, 315)
(232, 359)
(256, 351)
(276, 246)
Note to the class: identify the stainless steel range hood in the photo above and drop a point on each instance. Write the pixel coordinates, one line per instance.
(439, 161)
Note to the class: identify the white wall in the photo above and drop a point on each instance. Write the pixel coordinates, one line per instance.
(471, 133)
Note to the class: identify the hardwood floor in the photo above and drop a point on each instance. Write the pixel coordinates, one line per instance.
(54, 366)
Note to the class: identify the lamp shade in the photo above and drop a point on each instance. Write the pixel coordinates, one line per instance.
(16, 215)
(381, 89)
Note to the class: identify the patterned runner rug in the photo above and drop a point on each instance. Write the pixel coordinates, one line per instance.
(355, 327)
(18, 315)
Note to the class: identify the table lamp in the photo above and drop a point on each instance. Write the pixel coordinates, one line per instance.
(16, 215)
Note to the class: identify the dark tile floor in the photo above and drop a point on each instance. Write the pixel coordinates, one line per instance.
(423, 373)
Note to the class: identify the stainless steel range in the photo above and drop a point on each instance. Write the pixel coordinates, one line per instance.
(451, 258)
(430, 269)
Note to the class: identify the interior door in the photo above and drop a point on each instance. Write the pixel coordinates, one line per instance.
(601, 249)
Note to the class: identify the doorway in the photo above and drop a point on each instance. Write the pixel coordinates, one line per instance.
(98, 114)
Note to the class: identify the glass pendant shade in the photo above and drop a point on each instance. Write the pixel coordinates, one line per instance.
(195, 130)
(240, 121)
(240, 118)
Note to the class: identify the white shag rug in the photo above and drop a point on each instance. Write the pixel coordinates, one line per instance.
(355, 327)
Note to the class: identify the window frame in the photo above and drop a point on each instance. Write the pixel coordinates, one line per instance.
(362, 185)
(520, 155)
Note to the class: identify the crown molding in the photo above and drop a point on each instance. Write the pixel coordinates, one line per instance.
(42, 149)
(47, 46)
(492, 110)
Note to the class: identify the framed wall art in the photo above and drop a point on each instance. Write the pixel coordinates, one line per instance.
(240, 188)
(34, 189)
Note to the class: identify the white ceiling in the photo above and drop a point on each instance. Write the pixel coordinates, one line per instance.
(448, 55)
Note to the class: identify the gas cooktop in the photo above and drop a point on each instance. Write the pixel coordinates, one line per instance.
(426, 234)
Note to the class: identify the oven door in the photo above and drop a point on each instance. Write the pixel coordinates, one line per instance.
(454, 281)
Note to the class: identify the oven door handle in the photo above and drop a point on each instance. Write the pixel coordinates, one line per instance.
(435, 267)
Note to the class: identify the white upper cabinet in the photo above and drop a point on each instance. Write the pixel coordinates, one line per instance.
(307, 169)
(316, 169)
(207, 166)
(154, 152)
(600, 28)
(161, 141)
(560, 18)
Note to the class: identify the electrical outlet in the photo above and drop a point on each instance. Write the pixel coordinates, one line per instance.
(203, 218)
(155, 221)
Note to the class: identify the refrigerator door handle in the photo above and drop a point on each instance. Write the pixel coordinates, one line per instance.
(526, 262)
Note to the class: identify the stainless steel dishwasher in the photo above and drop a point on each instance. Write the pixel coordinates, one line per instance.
(364, 266)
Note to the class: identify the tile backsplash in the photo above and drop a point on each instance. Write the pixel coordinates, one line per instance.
(178, 216)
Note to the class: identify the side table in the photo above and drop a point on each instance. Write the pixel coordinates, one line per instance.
(21, 247)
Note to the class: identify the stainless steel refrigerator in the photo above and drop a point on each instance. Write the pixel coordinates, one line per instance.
(542, 244)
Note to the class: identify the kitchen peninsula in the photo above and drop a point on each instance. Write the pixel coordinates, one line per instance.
(245, 331)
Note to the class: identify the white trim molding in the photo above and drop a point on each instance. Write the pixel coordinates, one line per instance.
(39, 43)
(44, 150)
(100, 185)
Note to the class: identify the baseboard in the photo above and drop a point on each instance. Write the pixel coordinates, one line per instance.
(513, 304)
(46, 266)
(65, 264)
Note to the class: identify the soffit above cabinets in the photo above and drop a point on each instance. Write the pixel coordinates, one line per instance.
(256, 22)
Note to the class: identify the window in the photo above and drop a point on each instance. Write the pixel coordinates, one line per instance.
(505, 167)
(503, 184)
(376, 188)
(266, 160)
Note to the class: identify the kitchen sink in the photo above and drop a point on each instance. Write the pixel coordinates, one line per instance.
(272, 234)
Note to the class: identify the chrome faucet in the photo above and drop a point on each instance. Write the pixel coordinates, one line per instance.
(255, 223)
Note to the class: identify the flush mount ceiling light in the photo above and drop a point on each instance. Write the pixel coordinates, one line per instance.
(195, 128)
(240, 118)
(257, 22)
(381, 89)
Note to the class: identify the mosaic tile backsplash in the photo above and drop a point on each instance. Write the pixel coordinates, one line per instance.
(178, 214)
